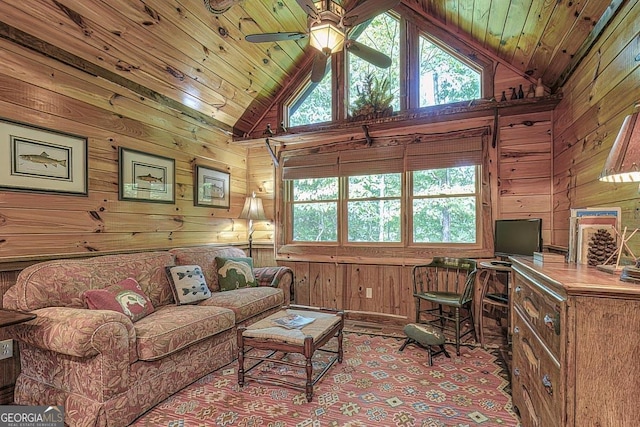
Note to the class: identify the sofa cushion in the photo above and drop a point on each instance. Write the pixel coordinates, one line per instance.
(174, 327)
(235, 273)
(205, 257)
(247, 302)
(126, 297)
(188, 284)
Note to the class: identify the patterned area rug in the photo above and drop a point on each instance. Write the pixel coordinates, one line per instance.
(374, 385)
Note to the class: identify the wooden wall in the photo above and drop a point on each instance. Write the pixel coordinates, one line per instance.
(603, 90)
(43, 92)
(525, 169)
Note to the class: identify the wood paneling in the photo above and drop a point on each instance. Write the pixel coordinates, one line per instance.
(43, 92)
(525, 169)
(603, 90)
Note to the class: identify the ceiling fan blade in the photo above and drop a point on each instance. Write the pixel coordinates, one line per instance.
(309, 8)
(367, 10)
(319, 67)
(274, 37)
(369, 54)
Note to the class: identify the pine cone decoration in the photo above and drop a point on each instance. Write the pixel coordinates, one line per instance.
(601, 246)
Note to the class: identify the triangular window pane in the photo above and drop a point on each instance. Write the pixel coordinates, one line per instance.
(444, 78)
(313, 104)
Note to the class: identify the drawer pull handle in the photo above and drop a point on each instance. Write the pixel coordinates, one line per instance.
(553, 322)
(546, 382)
(518, 289)
(516, 330)
(516, 372)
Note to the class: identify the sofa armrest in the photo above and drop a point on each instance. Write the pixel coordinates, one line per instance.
(277, 277)
(79, 332)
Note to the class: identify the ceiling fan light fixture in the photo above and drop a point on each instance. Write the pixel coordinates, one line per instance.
(326, 37)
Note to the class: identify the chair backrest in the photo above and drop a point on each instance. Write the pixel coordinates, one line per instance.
(444, 274)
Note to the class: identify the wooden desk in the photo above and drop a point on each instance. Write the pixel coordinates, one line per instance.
(576, 346)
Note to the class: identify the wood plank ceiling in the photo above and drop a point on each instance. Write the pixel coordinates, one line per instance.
(198, 62)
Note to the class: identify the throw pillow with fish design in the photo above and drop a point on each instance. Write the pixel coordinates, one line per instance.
(235, 273)
(188, 284)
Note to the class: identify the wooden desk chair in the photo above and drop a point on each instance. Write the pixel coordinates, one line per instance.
(446, 282)
(492, 298)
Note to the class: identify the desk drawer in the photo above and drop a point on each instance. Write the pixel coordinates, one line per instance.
(541, 309)
(536, 376)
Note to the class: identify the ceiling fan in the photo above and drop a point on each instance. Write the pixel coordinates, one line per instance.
(329, 27)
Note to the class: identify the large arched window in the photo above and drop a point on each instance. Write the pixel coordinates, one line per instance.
(443, 77)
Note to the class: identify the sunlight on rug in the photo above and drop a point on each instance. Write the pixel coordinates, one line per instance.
(374, 385)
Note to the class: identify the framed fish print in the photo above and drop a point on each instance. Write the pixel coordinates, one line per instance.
(211, 188)
(42, 160)
(146, 177)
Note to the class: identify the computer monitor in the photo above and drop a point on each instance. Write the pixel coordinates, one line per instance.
(517, 237)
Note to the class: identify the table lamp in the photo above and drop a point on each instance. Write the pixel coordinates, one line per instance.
(252, 210)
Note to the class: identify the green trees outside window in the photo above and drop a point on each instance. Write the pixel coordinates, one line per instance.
(374, 208)
(383, 34)
(315, 209)
(443, 207)
(444, 78)
(313, 104)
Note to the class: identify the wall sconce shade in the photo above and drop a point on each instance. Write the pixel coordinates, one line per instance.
(326, 37)
(623, 163)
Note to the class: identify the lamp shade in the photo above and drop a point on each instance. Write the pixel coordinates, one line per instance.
(253, 209)
(623, 163)
(326, 37)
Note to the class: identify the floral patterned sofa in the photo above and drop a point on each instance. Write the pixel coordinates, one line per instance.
(107, 370)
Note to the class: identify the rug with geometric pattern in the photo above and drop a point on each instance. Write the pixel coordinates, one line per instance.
(375, 385)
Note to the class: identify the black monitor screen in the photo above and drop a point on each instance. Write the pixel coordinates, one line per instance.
(517, 236)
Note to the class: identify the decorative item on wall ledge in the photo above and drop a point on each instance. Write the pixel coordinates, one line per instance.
(373, 100)
(42, 160)
(211, 188)
(146, 177)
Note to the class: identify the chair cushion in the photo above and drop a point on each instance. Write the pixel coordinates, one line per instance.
(425, 334)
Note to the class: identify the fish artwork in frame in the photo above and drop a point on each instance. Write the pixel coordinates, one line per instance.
(211, 187)
(146, 177)
(42, 160)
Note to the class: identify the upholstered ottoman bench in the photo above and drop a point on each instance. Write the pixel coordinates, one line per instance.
(426, 336)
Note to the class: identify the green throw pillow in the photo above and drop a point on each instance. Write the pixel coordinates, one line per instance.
(235, 273)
